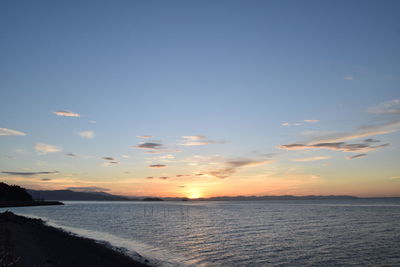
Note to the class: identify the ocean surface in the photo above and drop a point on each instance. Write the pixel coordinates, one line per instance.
(361, 232)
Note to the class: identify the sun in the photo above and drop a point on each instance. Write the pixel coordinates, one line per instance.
(194, 193)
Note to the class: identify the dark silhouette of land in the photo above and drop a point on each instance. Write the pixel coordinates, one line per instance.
(29, 242)
(16, 196)
(69, 195)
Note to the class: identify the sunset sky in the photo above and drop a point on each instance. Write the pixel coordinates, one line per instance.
(201, 98)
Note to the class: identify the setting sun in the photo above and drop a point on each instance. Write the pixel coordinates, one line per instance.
(194, 193)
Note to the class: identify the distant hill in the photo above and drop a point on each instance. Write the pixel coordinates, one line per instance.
(285, 197)
(73, 195)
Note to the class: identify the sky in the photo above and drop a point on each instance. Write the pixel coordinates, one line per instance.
(201, 98)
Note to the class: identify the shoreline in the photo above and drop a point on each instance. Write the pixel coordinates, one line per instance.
(12, 204)
(30, 242)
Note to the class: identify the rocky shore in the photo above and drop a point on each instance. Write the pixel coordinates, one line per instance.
(30, 242)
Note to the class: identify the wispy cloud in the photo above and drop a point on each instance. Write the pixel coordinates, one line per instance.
(356, 156)
(144, 136)
(109, 158)
(163, 177)
(65, 113)
(149, 145)
(362, 132)
(157, 166)
(287, 124)
(371, 140)
(233, 165)
(388, 107)
(29, 173)
(71, 155)
(310, 159)
(7, 132)
(86, 134)
(92, 121)
(198, 140)
(348, 78)
(338, 146)
(45, 148)
(87, 189)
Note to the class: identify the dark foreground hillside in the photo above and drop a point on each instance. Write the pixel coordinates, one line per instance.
(29, 242)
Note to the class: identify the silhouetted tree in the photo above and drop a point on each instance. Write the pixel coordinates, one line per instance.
(13, 193)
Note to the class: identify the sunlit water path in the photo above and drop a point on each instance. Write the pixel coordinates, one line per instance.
(259, 233)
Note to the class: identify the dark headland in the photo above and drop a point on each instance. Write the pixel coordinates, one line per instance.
(16, 196)
(29, 242)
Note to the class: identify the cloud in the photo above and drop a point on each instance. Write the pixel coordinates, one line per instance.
(8, 132)
(29, 173)
(157, 166)
(149, 146)
(356, 156)
(86, 134)
(287, 124)
(364, 131)
(233, 165)
(338, 146)
(71, 154)
(65, 113)
(310, 159)
(150, 177)
(169, 156)
(198, 140)
(371, 140)
(181, 186)
(348, 78)
(125, 156)
(92, 121)
(194, 137)
(46, 179)
(163, 177)
(144, 136)
(45, 148)
(88, 189)
(388, 107)
(109, 158)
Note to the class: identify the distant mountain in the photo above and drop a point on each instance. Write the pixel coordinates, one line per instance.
(73, 195)
(285, 197)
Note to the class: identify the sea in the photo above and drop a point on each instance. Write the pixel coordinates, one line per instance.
(354, 232)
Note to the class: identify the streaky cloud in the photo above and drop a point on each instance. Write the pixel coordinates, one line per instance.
(144, 136)
(149, 145)
(338, 146)
(311, 159)
(43, 149)
(356, 156)
(29, 173)
(109, 158)
(9, 132)
(65, 113)
(233, 165)
(193, 137)
(157, 166)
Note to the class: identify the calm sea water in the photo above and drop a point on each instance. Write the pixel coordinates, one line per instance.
(259, 233)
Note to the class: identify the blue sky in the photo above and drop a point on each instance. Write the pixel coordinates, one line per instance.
(232, 71)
